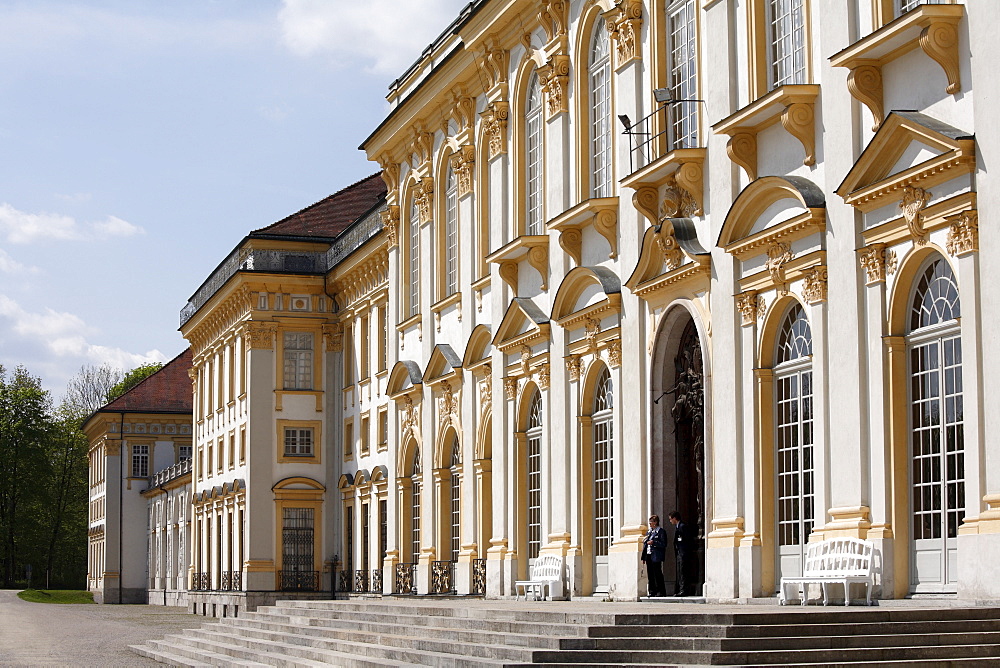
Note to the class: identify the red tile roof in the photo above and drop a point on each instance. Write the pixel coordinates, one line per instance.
(332, 215)
(166, 391)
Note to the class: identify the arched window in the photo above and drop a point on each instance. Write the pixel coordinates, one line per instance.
(937, 443)
(682, 69)
(413, 262)
(786, 42)
(534, 474)
(599, 72)
(604, 433)
(534, 160)
(415, 484)
(456, 499)
(450, 240)
(795, 493)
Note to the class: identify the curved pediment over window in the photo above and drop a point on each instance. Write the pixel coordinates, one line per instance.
(587, 292)
(772, 209)
(405, 376)
(477, 349)
(523, 324)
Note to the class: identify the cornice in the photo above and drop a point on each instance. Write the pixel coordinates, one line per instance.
(933, 217)
(799, 227)
(671, 280)
(792, 270)
(925, 175)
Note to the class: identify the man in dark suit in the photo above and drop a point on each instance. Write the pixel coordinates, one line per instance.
(686, 552)
(654, 550)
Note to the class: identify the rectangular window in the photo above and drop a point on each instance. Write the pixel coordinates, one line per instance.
(232, 450)
(413, 261)
(183, 452)
(451, 237)
(348, 439)
(348, 354)
(231, 367)
(201, 461)
(365, 531)
(243, 445)
(383, 430)
(140, 461)
(349, 540)
(383, 337)
(383, 529)
(221, 451)
(220, 382)
(365, 437)
(209, 459)
(298, 442)
(683, 73)
(787, 57)
(244, 361)
(903, 6)
(298, 357)
(365, 333)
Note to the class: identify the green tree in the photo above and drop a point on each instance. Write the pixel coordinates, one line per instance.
(65, 511)
(131, 379)
(25, 427)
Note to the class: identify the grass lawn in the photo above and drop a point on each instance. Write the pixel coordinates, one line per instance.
(56, 596)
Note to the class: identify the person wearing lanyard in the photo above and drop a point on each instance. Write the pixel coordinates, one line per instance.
(653, 552)
(684, 548)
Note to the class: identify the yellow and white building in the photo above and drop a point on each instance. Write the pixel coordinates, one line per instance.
(624, 258)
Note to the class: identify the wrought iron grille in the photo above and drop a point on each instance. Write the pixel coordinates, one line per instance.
(227, 581)
(406, 578)
(442, 577)
(360, 581)
(656, 135)
(344, 581)
(377, 581)
(479, 576)
(201, 581)
(237, 580)
(295, 580)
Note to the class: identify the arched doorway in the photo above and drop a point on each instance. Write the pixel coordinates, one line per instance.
(678, 426)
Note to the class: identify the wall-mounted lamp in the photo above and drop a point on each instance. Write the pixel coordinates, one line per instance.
(625, 121)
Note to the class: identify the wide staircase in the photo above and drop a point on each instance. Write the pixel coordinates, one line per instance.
(461, 632)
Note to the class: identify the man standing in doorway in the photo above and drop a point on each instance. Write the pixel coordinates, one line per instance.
(685, 553)
(653, 551)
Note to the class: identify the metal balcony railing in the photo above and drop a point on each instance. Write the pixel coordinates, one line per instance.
(672, 126)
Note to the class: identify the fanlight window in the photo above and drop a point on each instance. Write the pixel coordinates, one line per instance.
(603, 425)
(936, 299)
(535, 210)
(795, 339)
(534, 474)
(600, 111)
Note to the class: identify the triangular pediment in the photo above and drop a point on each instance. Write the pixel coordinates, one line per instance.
(522, 323)
(908, 147)
(443, 362)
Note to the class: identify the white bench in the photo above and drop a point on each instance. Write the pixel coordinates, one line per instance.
(545, 573)
(835, 561)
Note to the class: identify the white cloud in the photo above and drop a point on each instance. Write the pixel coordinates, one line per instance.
(9, 265)
(22, 227)
(64, 335)
(387, 34)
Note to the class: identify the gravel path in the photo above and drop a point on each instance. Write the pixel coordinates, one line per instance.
(44, 634)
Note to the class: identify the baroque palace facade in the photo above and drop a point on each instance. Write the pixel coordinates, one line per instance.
(624, 258)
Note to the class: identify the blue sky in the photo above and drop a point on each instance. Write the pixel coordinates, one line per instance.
(140, 140)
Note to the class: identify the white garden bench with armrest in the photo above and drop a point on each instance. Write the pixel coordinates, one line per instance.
(545, 573)
(842, 561)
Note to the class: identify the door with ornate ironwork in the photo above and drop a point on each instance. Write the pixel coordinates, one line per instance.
(297, 550)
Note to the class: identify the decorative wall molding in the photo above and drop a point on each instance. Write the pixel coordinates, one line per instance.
(914, 201)
(260, 335)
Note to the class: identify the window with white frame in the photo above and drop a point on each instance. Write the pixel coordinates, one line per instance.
(937, 412)
(604, 470)
(298, 352)
(413, 262)
(599, 73)
(786, 42)
(794, 429)
(183, 452)
(456, 499)
(903, 6)
(534, 160)
(415, 485)
(533, 465)
(450, 235)
(683, 72)
(298, 442)
(140, 461)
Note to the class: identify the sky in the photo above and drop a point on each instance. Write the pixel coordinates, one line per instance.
(140, 140)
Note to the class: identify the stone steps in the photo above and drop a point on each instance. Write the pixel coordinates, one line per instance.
(460, 633)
